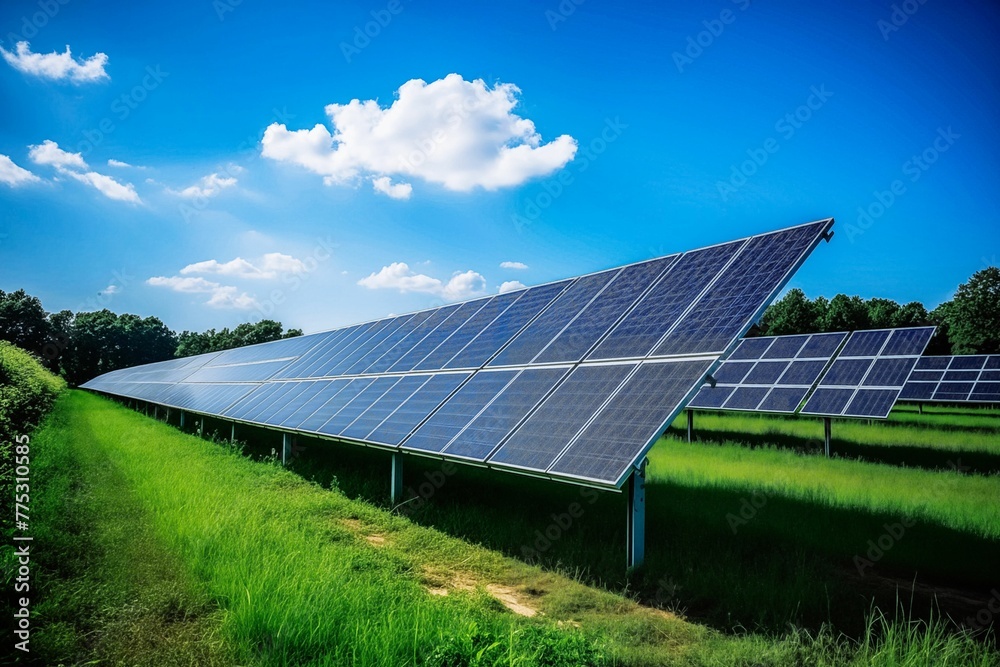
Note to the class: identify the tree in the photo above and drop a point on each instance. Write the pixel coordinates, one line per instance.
(882, 313)
(973, 316)
(793, 313)
(191, 343)
(912, 314)
(846, 313)
(23, 321)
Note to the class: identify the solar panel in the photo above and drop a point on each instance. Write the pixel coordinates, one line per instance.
(874, 367)
(571, 380)
(955, 379)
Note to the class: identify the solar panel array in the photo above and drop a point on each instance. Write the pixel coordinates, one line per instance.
(955, 379)
(572, 380)
(849, 375)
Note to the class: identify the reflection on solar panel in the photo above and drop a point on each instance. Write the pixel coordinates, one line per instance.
(955, 379)
(776, 373)
(572, 380)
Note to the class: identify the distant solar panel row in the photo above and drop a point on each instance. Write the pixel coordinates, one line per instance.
(861, 377)
(573, 380)
(955, 379)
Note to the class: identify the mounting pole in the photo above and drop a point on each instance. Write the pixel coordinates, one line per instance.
(201, 428)
(182, 420)
(920, 408)
(827, 428)
(232, 434)
(636, 529)
(286, 448)
(396, 479)
(690, 424)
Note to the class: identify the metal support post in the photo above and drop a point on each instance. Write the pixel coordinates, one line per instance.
(690, 414)
(827, 428)
(396, 480)
(286, 448)
(636, 530)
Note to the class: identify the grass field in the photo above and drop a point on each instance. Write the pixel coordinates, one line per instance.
(213, 557)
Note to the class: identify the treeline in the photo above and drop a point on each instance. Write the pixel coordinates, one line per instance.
(81, 346)
(968, 324)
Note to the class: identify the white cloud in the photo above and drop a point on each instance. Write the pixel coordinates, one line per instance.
(57, 66)
(118, 163)
(108, 186)
(48, 152)
(111, 289)
(519, 266)
(511, 285)
(73, 164)
(270, 266)
(221, 296)
(13, 175)
(385, 185)
(207, 186)
(398, 275)
(457, 133)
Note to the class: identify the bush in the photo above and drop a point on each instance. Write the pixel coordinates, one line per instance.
(27, 392)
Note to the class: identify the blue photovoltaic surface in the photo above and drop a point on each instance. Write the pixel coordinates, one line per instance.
(955, 379)
(785, 347)
(746, 398)
(802, 372)
(653, 315)
(526, 346)
(599, 316)
(872, 402)
(846, 372)
(548, 409)
(416, 408)
(865, 343)
(478, 440)
(783, 399)
(828, 401)
(822, 346)
(542, 437)
(766, 372)
(603, 449)
(530, 302)
(751, 348)
(435, 433)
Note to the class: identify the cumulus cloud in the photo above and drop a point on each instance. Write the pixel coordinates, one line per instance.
(519, 266)
(511, 285)
(13, 175)
(400, 276)
(270, 266)
(48, 152)
(456, 133)
(57, 66)
(121, 165)
(220, 296)
(207, 186)
(73, 164)
(385, 185)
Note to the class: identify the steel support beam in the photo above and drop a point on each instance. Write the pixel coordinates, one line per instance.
(690, 414)
(286, 448)
(232, 434)
(827, 428)
(182, 420)
(636, 529)
(396, 479)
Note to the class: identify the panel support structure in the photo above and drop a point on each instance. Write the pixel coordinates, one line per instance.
(827, 428)
(636, 530)
(286, 448)
(396, 481)
(232, 434)
(690, 414)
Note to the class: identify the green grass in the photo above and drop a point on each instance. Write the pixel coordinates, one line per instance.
(152, 529)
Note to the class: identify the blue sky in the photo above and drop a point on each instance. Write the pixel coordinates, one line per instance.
(574, 137)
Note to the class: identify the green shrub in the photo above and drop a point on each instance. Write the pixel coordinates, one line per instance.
(27, 392)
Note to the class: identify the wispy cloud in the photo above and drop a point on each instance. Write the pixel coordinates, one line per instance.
(73, 165)
(456, 133)
(220, 296)
(517, 266)
(399, 276)
(207, 186)
(57, 66)
(13, 175)
(270, 266)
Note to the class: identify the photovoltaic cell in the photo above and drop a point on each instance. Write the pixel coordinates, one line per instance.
(865, 343)
(783, 399)
(746, 398)
(427, 345)
(435, 433)
(364, 399)
(955, 379)
(751, 348)
(822, 346)
(454, 343)
(323, 413)
(785, 347)
(369, 420)
(412, 339)
(766, 372)
(416, 408)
